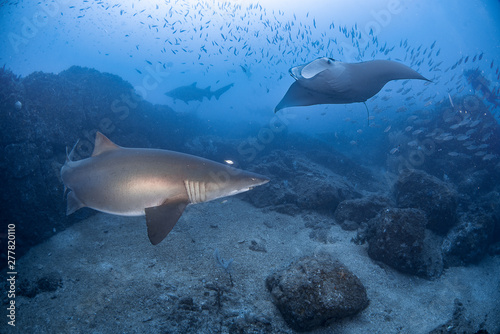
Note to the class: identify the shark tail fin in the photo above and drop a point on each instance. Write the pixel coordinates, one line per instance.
(222, 90)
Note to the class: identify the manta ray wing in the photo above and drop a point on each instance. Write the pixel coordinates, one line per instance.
(326, 81)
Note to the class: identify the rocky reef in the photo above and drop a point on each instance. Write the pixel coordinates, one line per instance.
(449, 204)
(44, 113)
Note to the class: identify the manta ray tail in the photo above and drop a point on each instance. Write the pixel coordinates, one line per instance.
(368, 112)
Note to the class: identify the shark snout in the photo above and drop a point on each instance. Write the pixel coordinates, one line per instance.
(258, 181)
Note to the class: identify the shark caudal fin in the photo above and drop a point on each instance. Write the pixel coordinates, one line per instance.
(221, 91)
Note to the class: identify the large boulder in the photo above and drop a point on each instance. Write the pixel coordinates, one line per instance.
(400, 240)
(417, 189)
(352, 212)
(315, 291)
(468, 242)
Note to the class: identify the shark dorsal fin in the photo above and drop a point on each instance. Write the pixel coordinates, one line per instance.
(103, 144)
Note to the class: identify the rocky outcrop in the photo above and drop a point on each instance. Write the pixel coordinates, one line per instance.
(399, 239)
(55, 111)
(419, 190)
(468, 241)
(300, 184)
(314, 291)
(351, 213)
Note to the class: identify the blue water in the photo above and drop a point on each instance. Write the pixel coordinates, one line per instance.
(158, 46)
(447, 127)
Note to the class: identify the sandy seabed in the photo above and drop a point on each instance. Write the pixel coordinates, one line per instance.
(115, 281)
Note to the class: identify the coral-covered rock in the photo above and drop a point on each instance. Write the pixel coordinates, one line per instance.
(400, 240)
(468, 242)
(314, 291)
(417, 189)
(351, 213)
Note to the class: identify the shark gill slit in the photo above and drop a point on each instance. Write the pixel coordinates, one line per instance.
(196, 191)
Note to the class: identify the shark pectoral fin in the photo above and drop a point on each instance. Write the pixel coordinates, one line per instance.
(73, 203)
(161, 219)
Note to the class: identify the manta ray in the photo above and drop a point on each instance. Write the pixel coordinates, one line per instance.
(328, 81)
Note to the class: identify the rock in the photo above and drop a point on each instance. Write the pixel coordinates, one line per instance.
(468, 242)
(257, 245)
(187, 303)
(351, 213)
(48, 283)
(459, 323)
(398, 238)
(315, 291)
(320, 226)
(298, 184)
(417, 189)
(15, 156)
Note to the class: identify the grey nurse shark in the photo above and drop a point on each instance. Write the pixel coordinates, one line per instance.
(152, 182)
(193, 93)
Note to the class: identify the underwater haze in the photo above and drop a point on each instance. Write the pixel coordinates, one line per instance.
(355, 177)
(158, 46)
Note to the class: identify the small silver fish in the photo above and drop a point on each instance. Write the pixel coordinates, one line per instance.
(488, 157)
(413, 143)
(473, 124)
(464, 122)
